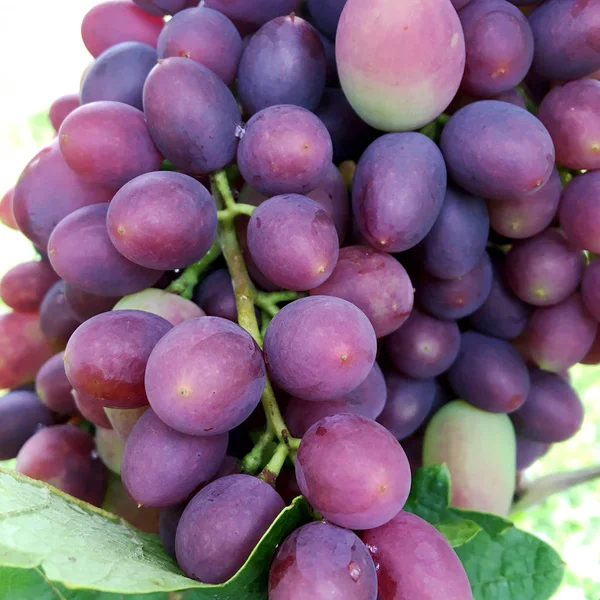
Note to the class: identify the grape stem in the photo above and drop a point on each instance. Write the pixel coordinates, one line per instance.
(273, 468)
(237, 209)
(254, 459)
(245, 298)
(540, 489)
(268, 301)
(184, 285)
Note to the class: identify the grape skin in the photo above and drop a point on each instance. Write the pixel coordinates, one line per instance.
(65, 456)
(285, 149)
(375, 282)
(414, 560)
(82, 254)
(162, 467)
(186, 382)
(53, 387)
(222, 525)
(353, 471)
(319, 348)
(192, 116)
(21, 415)
(283, 63)
(57, 320)
(106, 357)
(321, 561)
(23, 287)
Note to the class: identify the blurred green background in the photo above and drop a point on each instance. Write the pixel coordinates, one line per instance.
(43, 58)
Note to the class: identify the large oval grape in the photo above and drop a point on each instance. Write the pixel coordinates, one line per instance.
(400, 63)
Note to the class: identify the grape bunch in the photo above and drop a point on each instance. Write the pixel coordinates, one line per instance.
(378, 219)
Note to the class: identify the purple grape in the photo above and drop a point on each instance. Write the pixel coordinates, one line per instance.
(368, 400)
(593, 355)
(321, 561)
(161, 8)
(529, 451)
(23, 287)
(414, 560)
(61, 108)
(331, 73)
(108, 143)
(409, 401)
(499, 46)
(284, 63)
(457, 240)
(350, 135)
(106, 357)
(285, 149)
(192, 116)
(53, 387)
(168, 522)
(455, 298)
(205, 377)
(566, 39)
(319, 348)
(216, 297)
(222, 524)
(92, 409)
(528, 215)
(119, 74)
(570, 113)
(23, 348)
(206, 36)
(65, 456)
(398, 190)
(163, 220)
(293, 241)
(57, 320)
(326, 14)
(47, 191)
(552, 413)
(590, 289)
(489, 374)
(557, 337)
(424, 346)
(82, 254)
(579, 211)
(116, 21)
(375, 282)
(353, 471)
(162, 467)
(21, 415)
(497, 150)
(544, 270)
(502, 315)
(413, 447)
(84, 305)
(512, 96)
(331, 194)
(249, 15)
(171, 307)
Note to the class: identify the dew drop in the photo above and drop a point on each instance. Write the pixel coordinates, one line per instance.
(354, 570)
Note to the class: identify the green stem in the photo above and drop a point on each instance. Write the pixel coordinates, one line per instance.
(244, 297)
(443, 119)
(184, 285)
(268, 301)
(266, 319)
(566, 175)
(254, 459)
(529, 103)
(295, 443)
(273, 468)
(237, 209)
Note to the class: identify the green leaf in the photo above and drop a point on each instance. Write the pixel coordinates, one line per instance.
(49, 539)
(502, 562)
(458, 533)
(8, 464)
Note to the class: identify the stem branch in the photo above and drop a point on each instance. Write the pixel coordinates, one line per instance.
(244, 297)
(273, 468)
(184, 285)
(254, 459)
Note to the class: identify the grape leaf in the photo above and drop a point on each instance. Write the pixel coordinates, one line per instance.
(51, 540)
(458, 532)
(502, 562)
